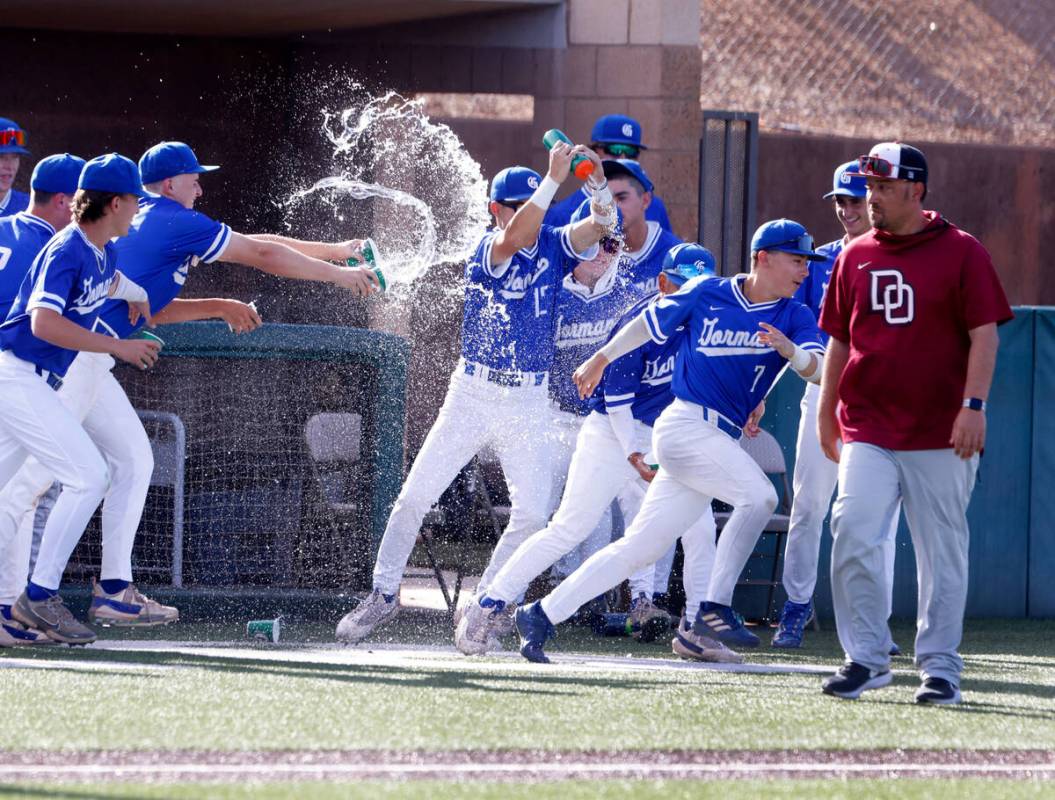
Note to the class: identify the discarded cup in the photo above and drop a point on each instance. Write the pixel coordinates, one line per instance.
(264, 630)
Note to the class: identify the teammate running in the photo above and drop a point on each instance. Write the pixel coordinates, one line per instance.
(498, 393)
(740, 333)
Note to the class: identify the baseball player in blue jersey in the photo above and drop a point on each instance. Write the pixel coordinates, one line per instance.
(609, 455)
(613, 136)
(166, 239)
(740, 334)
(22, 237)
(815, 475)
(51, 320)
(498, 394)
(12, 148)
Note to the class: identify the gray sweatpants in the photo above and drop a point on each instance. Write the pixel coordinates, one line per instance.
(934, 487)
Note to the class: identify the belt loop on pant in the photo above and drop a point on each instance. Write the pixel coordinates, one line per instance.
(722, 423)
(501, 377)
(53, 380)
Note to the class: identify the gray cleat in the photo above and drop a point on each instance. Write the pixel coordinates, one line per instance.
(53, 618)
(372, 611)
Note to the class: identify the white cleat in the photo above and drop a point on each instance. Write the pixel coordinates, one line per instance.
(373, 610)
(477, 629)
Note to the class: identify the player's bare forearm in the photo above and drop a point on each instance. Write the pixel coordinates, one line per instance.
(55, 329)
(326, 251)
(522, 231)
(585, 234)
(242, 317)
(275, 258)
(835, 359)
(969, 427)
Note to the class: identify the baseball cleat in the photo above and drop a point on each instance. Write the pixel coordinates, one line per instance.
(128, 608)
(894, 649)
(534, 628)
(647, 621)
(691, 645)
(853, 679)
(938, 692)
(16, 634)
(53, 618)
(724, 624)
(793, 621)
(476, 631)
(373, 610)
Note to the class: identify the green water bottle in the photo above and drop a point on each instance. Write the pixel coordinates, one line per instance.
(370, 257)
(581, 166)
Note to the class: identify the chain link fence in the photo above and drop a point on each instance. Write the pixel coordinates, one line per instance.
(956, 70)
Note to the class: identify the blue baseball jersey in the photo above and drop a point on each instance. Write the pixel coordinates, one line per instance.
(509, 308)
(70, 276)
(163, 243)
(560, 213)
(22, 236)
(646, 263)
(14, 202)
(721, 364)
(811, 292)
(642, 377)
(585, 318)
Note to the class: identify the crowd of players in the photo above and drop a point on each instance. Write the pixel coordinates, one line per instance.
(602, 360)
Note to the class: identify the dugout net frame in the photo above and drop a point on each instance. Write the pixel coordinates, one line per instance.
(728, 186)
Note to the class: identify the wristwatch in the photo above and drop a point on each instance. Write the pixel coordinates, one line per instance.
(974, 403)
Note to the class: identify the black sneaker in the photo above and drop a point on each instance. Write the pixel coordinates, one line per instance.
(938, 692)
(852, 679)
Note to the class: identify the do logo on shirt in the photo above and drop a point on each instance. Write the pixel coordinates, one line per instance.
(893, 296)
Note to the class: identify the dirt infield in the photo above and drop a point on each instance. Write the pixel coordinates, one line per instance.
(519, 765)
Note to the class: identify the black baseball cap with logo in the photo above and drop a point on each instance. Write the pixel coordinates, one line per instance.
(894, 160)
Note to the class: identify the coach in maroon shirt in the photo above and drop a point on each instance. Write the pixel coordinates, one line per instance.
(912, 311)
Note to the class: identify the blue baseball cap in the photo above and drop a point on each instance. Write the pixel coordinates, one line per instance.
(168, 159)
(848, 182)
(12, 138)
(617, 129)
(787, 236)
(112, 173)
(57, 174)
(686, 261)
(623, 167)
(514, 184)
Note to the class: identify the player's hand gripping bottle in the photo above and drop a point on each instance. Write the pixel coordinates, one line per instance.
(581, 166)
(370, 258)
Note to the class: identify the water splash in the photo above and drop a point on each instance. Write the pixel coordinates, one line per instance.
(405, 181)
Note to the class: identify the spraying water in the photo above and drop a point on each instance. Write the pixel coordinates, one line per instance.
(426, 196)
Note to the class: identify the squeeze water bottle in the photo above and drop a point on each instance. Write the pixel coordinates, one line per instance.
(581, 166)
(370, 258)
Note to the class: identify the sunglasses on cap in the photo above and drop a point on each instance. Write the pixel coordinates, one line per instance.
(804, 242)
(619, 150)
(12, 136)
(875, 166)
(513, 204)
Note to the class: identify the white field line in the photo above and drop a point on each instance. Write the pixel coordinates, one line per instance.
(644, 769)
(108, 667)
(449, 658)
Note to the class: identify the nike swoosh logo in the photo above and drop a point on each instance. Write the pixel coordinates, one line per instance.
(862, 266)
(715, 308)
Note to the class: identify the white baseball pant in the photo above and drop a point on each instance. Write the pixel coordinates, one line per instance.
(513, 420)
(935, 487)
(814, 483)
(697, 463)
(34, 422)
(96, 399)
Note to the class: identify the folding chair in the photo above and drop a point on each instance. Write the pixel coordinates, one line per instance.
(168, 441)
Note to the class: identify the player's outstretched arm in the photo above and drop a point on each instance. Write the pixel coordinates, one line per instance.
(835, 358)
(241, 317)
(589, 373)
(807, 365)
(278, 259)
(55, 329)
(326, 251)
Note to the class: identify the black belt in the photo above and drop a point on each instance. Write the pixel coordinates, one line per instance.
(53, 380)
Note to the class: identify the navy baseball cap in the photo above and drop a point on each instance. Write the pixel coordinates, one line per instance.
(623, 167)
(848, 181)
(894, 160)
(617, 129)
(57, 174)
(112, 173)
(514, 184)
(12, 138)
(168, 159)
(787, 236)
(686, 261)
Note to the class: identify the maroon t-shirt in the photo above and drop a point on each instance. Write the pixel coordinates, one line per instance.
(904, 305)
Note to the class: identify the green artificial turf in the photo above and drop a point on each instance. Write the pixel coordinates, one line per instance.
(218, 702)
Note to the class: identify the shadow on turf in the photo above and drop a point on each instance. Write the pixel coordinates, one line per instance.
(28, 790)
(348, 673)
